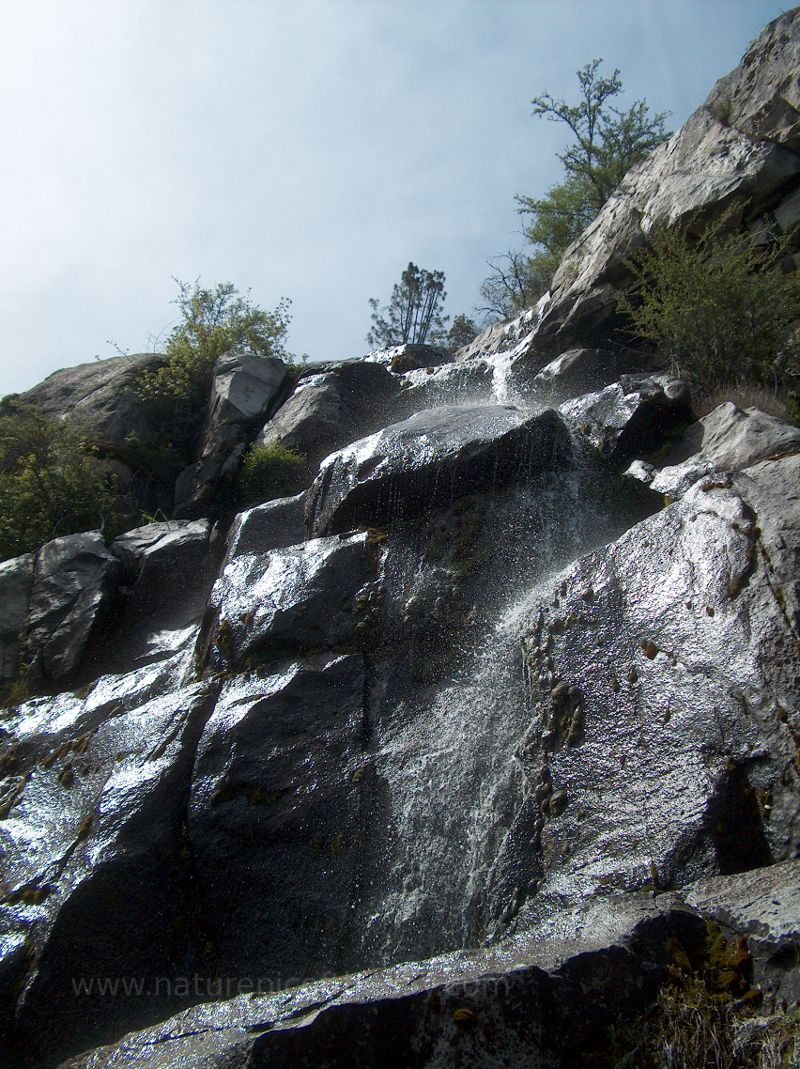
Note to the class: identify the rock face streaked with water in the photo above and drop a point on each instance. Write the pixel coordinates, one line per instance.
(451, 758)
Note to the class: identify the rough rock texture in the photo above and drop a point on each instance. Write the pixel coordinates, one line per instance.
(515, 333)
(245, 391)
(276, 798)
(16, 583)
(761, 97)
(450, 384)
(289, 600)
(95, 878)
(73, 581)
(102, 394)
(531, 1001)
(168, 570)
(631, 416)
(727, 439)
(328, 410)
(739, 149)
(273, 525)
(662, 741)
(435, 456)
(531, 733)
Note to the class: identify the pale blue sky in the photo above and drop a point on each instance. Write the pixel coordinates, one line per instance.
(301, 148)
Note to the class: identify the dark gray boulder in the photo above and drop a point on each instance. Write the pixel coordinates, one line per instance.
(245, 391)
(739, 151)
(297, 599)
(450, 384)
(102, 394)
(583, 370)
(275, 820)
(662, 672)
(167, 571)
(727, 439)
(273, 525)
(144, 547)
(328, 410)
(16, 584)
(633, 416)
(430, 459)
(96, 873)
(73, 581)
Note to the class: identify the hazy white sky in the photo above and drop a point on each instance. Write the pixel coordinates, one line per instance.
(299, 148)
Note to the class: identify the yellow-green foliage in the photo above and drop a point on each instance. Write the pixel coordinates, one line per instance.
(693, 1026)
(270, 471)
(212, 322)
(719, 305)
(51, 481)
(710, 1018)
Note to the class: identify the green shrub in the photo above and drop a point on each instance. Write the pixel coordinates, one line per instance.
(719, 306)
(270, 471)
(51, 481)
(212, 322)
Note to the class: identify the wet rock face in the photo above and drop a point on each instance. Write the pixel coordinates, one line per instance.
(409, 357)
(273, 525)
(431, 458)
(528, 1003)
(168, 570)
(764, 904)
(288, 601)
(72, 584)
(582, 370)
(661, 746)
(95, 881)
(521, 712)
(102, 394)
(739, 149)
(632, 416)
(328, 410)
(449, 384)
(515, 334)
(275, 820)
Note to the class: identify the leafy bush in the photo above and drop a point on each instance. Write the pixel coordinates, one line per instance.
(51, 483)
(719, 306)
(212, 322)
(270, 471)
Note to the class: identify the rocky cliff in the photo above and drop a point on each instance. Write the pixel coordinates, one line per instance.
(458, 756)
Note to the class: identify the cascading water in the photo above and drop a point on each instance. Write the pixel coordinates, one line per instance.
(453, 824)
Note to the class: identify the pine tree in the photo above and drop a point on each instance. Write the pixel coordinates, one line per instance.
(414, 313)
